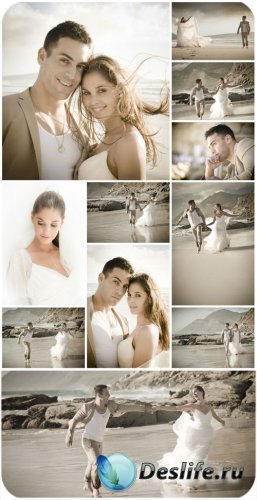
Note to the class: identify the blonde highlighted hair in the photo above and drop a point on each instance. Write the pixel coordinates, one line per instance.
(130, 107)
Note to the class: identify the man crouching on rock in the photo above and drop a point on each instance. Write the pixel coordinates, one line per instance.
(95, 415)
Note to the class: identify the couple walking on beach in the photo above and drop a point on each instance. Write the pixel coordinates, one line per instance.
(45, 137)
(59, 350)
(195, 429)
(188, 35)
(218, 240)
(231, 338)
(222, 106)
(109, 342)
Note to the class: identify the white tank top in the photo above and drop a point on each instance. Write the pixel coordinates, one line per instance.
(199, 95)
(194, 219)
(54, 164)
(106, 340)
(132, 204)
(96, 426)
(28, 336)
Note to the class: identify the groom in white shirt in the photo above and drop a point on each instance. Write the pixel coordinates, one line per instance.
(106, 328)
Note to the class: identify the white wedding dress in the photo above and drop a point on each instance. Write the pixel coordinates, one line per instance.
(187, 35)
(153, 215)
(218, 239)
(235, 346)
(60, 349)
(95, 168)
(222, 106)
(195, 435)
(29, 283)
(126, 355)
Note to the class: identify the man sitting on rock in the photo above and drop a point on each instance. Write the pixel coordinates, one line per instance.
(95, 416)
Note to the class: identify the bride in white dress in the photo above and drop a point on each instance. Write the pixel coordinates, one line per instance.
(113, 118)
(222, 106)
(148, 345)
(218, 240)
(195, 429)
(187, 34)
(60, 349)
(38, 274)
(153, 214)
(235, 346)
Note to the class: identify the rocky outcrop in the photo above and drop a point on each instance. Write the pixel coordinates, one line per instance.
(24, 402)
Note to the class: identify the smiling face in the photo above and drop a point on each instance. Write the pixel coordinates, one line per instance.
(99, 96)
(113, 286)
(136, 298)
(47, 223)
(198, 395)
(61, 70)
(220, 145)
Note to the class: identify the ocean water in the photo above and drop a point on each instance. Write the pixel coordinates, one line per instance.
(231, 39)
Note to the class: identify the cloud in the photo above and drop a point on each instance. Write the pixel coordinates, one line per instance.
(151, 259)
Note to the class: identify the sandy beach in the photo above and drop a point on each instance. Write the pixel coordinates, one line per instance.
(58, 471)
(242, 111)
(114, 227)
(12, 354)
(214, 52)
(211, 356)
(214, 278)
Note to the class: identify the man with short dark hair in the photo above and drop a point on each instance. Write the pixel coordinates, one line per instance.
(95, 416)
(235, 158)
(38, 142)
(105, 326)
(196, 220)
(244, 27)
(26, 336)
(198, 94)
(226, 337)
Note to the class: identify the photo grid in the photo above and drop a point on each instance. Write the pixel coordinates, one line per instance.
(128, 297)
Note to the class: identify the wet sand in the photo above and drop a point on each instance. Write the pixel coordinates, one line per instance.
(114, 227)
(224, 278)
(13, 354)
(211, 356)
(58, 471)
(242, 111)
(222, 52)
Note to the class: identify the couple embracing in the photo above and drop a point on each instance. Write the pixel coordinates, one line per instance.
(81, 119)
(109, 342)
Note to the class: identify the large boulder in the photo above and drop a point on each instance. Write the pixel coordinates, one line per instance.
(24, 402)
(13, 421)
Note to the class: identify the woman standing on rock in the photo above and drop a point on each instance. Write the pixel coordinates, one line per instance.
(195, 429)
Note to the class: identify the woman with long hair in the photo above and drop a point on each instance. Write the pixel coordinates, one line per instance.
(148, 344)
(222, 106)
(114, 118)
(195, 429)
(38, 274)
(218, 240)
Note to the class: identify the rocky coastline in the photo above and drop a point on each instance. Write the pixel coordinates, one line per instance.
(232, 393)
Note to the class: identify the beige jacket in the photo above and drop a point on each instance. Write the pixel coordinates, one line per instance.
(91, 357)
(21, 142)
(86, 413)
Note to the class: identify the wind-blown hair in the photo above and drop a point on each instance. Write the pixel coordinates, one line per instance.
(130, 107)
(154, 308)
(50, 199)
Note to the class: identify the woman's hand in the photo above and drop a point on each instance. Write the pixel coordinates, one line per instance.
(68, 439)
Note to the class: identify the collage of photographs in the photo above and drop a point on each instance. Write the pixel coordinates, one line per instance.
(128, 298)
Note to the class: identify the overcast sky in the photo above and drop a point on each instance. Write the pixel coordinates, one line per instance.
(199, 190)
(151, 259)
(213, 18)
(184, 316)
(124, 31)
